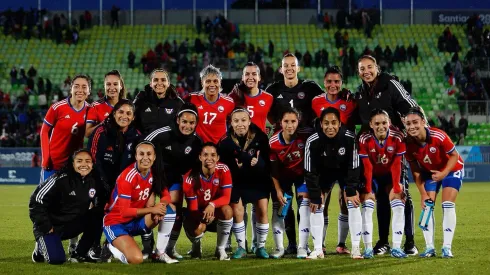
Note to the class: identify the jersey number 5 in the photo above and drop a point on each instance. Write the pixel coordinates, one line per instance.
(209, 117)
(250, 109)
(144, 194)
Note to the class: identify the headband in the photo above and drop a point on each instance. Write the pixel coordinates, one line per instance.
(186, 110)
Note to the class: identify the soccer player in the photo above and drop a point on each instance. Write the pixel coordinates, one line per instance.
(130, 213)
(381, 151)
(178, 149)
(435, 162)
(213, 107)
(296, 93)
(330, 155)
(207, 188)
(65, 206)
(334, 97)
(286, 156)
(100, 109)
(245, 150)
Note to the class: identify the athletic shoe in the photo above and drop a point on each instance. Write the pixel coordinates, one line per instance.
(37, 256)
(428, 253)
(196, 251)
(239, 253)
(342, 249)
(368, 253)
(410, 248)
(398, 253)
(381, 248)
(163, 258)
(356, 253)
(146, 254)
(278, 253)
(105, 254)
(95, 251)
(252, 249)
(76, 258)
(261, 253)
(302, 253)
(316, 255)
(221, 255)
(291, 249)
(446, 252)
(174, 254)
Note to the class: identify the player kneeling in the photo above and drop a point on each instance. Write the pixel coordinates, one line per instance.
(207, 189)
(381, 151)
(434, 162)
(131, 212)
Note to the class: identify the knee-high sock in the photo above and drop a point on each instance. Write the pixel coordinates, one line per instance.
(316, 227)
(277, 227)
(262, 229)
(304, 222)
(398, 222)
(355, 224)
(343, 225)
(409, 221)
(325, 226)
(223, 229)
(118, 254)
(429, 233)
(239, 231)
(290, 225)
(164, 229)
(383, 212)
(448, 222)
(367, 223)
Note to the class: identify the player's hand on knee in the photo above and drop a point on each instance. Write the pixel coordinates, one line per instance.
(354, 200)
(159, 209)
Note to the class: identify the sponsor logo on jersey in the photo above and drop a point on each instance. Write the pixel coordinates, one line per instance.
(221, 109)
(373, 150)
(216, 182)
(432, 149)
(67, 116)
(390, 149)
(169, 111)
(129, 146)
(261, 103)
(343, 107)
(200, 107)
(72, 193)
(282, 152)
(301, 145)
(106, 114)
(188, 149)
(378, 95)
(91, 192)
(148, 110)
(169, 148)
(279, 96)
(138, 187)
(323, 108)
(341, 151)
(301, 95)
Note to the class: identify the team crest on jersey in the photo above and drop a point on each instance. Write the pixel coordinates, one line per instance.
(341, 151)
(221, 109)
(301, 95)
(390, 149)
(150, 180)
(261, 103)
(432, 149)
(251, 152)
(169, 111)
(301, 145)
(188, 149)
(106, 114)
(216, 182)
(91, 193)
(343, 107)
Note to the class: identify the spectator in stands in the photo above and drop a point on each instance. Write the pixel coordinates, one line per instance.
(32, 72)
(131, 59)
(23, 76)
(338, 39)
(444, 124)
(326, 21)
(462, 126)
(271, 49)
(115, 16)
(13, 76)
(88, 19)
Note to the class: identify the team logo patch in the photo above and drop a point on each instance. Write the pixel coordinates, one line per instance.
(390, 149)
(188, 149)
(262, 103)
(432, 149)
(169, 111)
(216, 181)
(251, 152)
(343, 107)
(150, 180)
(301, 145)
(91, 192)
(221, 109)
(301, 95)
(341, 151)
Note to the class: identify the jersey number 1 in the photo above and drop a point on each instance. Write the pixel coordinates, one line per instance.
(209, 117)
(144, 194)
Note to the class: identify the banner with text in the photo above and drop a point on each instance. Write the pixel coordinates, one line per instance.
(458, 17)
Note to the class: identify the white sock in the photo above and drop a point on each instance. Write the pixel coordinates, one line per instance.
(278, 227)
(118, 254)
(343, 225)
(325, 226)
(398, 222)
(262, 231)
(164, 229)
(355, 224)
(304, 223)
(223, 229)
(74, 241)
(448, 222)
(254, 226)
(429, 232)
(316, 227)
(367, 223)
(239, 231)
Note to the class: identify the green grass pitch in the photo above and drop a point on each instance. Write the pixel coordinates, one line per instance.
(471, 246)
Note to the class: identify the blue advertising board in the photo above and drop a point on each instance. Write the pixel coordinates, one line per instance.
(20, 175)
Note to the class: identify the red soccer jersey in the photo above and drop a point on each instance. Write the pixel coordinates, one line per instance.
(381, 156)
(434, 154)
(131, 193)
(217, 189)
(99, 111)
(212, 116)
(67, 131)
(289, 156)
(346, 108)
(258, 106)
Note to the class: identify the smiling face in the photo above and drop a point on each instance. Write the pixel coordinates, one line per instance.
(330, 125)
(160, 83)
(290, 68)
(289, 123)
(240, 122)
(187, 123)
(368, 70)
(145, 156)
(380, 125)
(333, 83)
(112, 86)
(211, 84)
(414, 125)
(209, 157)
(80, 89)
(82, 163)
(124, 116)
(251, 77)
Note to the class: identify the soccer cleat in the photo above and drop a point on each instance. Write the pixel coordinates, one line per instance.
(368, 253)
(221, 255)
(428, 253)
(291, 249)
(196, 251)
(302, 253)
(356, 253)
(163, 258)
(261, 253)
(342, 249)
(316, 255)
(446, 252)
(398, 253)
(253, 248)
(174, 254)
(76, 258)
(37, 256)
(278, 253)
(95, 251)
(410, 248)
(239, 253)
(381, 248)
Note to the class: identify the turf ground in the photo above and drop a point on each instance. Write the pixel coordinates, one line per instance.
(471, 246)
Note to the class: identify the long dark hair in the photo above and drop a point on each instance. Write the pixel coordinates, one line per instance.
(111, 125)
(157, 171)
(242, 89)
(195, 174)
(122, 93)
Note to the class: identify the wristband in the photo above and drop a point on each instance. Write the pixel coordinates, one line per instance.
(211, 203)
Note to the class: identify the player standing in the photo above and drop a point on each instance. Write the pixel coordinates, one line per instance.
(207, 188)
(212, 106)
(435, 162)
